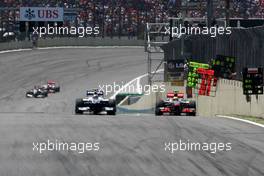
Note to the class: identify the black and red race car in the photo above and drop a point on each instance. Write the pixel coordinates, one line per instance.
(43, 90)
(175, 104)
(51, 86)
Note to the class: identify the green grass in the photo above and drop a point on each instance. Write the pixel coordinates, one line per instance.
(259, 120)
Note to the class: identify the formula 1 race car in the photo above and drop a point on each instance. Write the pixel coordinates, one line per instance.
(96, 103)
(37, 92)
(176, 105)
(51, 87)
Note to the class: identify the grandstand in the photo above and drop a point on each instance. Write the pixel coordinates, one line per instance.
(123, 17)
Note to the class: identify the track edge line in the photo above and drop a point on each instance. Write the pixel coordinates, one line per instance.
(241, 120)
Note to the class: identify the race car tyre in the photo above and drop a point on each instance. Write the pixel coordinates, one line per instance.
(111, 112)
(192, 105)
(158, 113)
(158, 105)
(28, 95)
(78, 104)
(57, 89)
(192, 114)
(45, 94)
(112, 103)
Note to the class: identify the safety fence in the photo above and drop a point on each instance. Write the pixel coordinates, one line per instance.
(247, 45)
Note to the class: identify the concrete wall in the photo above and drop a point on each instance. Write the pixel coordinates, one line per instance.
(72, 42)
(229, 99)
(15, 45)
(89, 42)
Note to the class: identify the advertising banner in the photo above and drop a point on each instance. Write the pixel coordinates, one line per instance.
(175, 72)
(41, 14)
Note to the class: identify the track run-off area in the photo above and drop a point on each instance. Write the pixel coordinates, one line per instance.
(129, 144)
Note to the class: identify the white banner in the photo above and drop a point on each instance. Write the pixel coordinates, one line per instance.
(41, 14)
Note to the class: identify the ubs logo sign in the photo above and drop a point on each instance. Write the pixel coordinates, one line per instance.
(30, 14)
(171, 66)
(175, 65)
(41, 14)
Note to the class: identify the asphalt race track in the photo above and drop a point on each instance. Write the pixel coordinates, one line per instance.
(130, 145)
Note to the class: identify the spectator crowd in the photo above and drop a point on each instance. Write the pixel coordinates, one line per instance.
(128, 17)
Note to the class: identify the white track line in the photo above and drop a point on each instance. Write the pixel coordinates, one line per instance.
(242, 120)
(70, 47)
(16, 50)
(130, 82)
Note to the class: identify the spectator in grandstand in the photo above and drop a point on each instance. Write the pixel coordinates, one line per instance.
(128, 17)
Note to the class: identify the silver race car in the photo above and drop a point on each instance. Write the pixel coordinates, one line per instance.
(37, 92)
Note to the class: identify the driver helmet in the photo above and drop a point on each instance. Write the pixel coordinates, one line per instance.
(175, 98)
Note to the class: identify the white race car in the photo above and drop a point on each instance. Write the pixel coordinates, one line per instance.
(96, 103)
